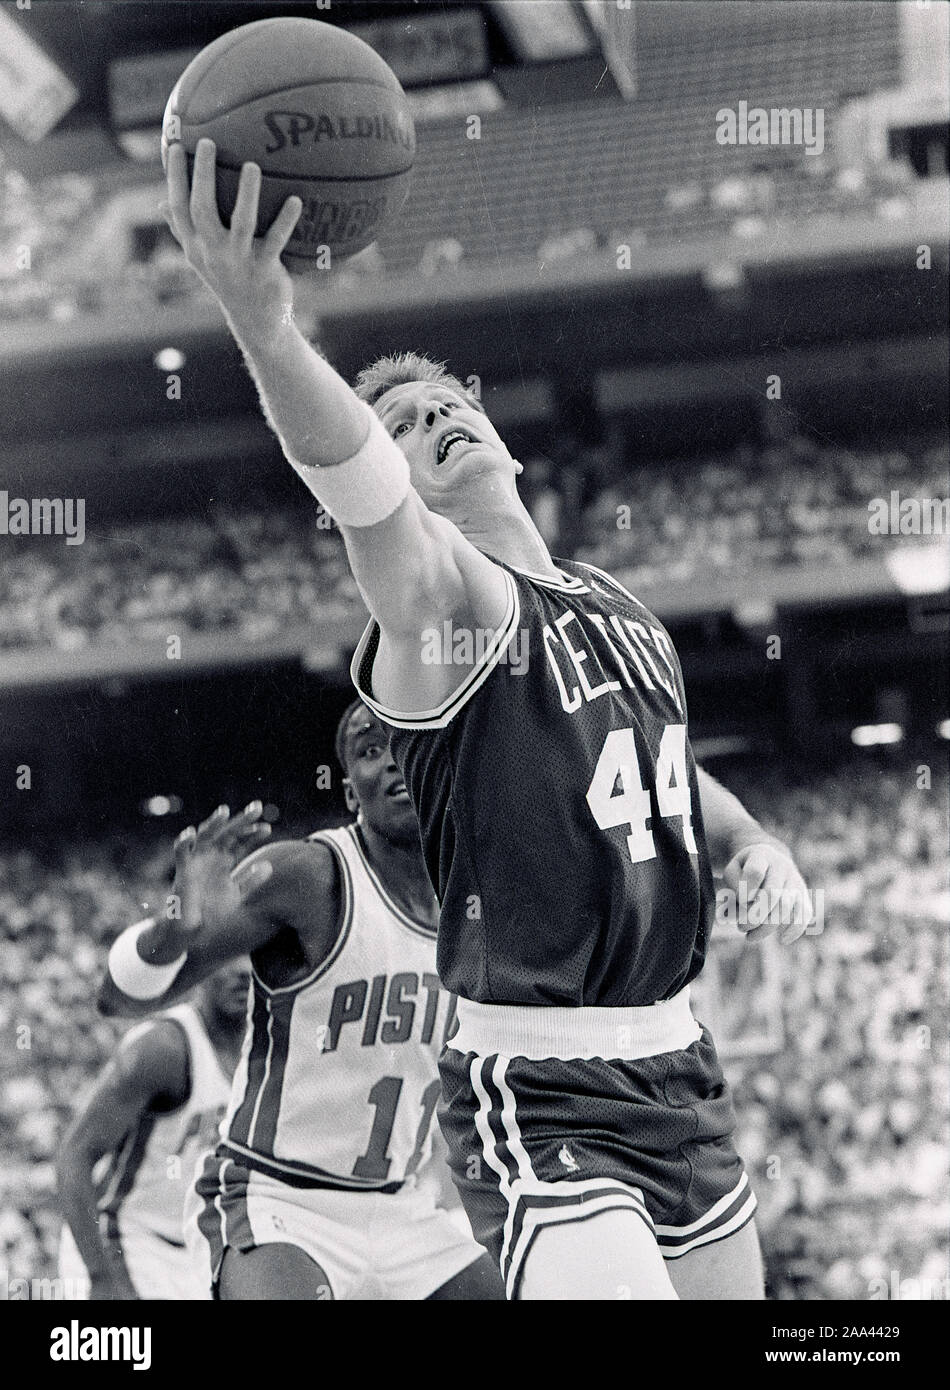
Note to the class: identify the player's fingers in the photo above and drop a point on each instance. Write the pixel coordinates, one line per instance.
(790, 907)
(250, 837)
(761, 920)
(244, 216)
(204, 203)
(797, 910)
(184, 845)
(208, 828)
(250, 877)
(792, 932)
(281, 229)
(755, 870)
(166, 213)
(177, 181)
(231, 830)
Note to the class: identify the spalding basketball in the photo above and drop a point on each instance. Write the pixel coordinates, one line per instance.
(320, 112)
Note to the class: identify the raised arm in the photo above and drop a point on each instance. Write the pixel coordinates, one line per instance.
(149, 1070)
(413, 568)
(218, 911)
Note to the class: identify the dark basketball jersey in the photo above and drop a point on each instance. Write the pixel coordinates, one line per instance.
(557, 800)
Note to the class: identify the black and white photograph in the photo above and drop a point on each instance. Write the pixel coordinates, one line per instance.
(474, 611)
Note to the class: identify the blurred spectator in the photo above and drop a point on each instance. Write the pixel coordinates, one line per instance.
(256, 573)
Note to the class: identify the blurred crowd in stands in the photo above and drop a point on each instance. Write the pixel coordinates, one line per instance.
(71, 248)
(844, 1129)
(257, 573)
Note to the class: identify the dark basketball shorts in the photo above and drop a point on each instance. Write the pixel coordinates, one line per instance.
(543, 1142)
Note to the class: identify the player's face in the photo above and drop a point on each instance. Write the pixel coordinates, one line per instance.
(227, 990)
(375, 780)
(448, 441)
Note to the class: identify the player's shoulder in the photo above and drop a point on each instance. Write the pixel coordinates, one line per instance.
(311, 858)
(303, 891)
(564, 580)
(600, 582)
(154, 1057)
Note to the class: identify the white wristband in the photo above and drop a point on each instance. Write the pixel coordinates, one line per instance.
(137, 977)
(364, 489)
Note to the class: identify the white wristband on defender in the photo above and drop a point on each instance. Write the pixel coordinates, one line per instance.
(366, 488)
(137, 977)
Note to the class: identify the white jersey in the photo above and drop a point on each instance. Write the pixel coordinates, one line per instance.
(338, 1079)
(145, 1181)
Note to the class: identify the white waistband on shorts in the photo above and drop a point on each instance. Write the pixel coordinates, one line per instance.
(539, 1032)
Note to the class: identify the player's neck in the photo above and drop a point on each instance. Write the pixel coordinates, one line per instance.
(403, 873)
(507, 533)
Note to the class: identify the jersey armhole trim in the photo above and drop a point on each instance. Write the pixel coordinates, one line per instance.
(275, 991)
(602, 574)
(444, 713)
(567, 584)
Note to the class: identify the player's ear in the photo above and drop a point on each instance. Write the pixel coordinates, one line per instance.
(350, 797)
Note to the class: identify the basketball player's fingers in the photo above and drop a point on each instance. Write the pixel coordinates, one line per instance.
(732, 873)
(281, 229)
(244, 216)
(797, 912)
(761, 921)
(794, 924)
(177, 182)
(792, 882)
(785, 884)
(204, 204)
(231, 829)
(184, 845)
(166, 212)
(248, 838)
(250, 877)
(755, 870)
(209, 827)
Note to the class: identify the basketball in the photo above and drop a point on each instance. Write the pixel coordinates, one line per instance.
(321, 113)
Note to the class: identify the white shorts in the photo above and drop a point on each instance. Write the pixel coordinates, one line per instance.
(370, 1245)
(156, 1267)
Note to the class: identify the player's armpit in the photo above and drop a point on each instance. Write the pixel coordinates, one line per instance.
(415, 568)
(423, 580)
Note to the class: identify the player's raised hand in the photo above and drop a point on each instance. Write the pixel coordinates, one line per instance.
(208, 885)
(242, 270)
(764, 877)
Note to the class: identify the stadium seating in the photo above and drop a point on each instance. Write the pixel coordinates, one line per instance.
(563, 179)
(258, 572)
